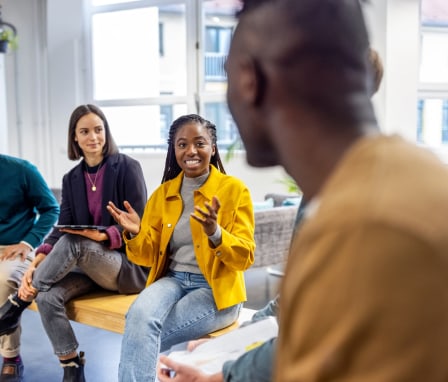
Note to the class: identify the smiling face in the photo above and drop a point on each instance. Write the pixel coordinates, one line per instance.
(91, 136)
(193, 148)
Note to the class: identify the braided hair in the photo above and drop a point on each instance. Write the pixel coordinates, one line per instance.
(172, 169)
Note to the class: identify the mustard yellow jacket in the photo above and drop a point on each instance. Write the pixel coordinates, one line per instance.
(222, 266)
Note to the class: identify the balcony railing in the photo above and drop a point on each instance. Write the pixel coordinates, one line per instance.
(214, 66)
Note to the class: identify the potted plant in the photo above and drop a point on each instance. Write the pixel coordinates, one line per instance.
(8, 39)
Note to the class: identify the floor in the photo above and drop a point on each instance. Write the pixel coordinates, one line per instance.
(102, 348)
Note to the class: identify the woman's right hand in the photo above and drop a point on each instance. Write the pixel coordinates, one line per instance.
(128, 219)
(26, 291)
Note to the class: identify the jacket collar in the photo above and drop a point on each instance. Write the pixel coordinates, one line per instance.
(208, 189)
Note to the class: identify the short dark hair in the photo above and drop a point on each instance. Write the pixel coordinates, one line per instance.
(324, 62)
(74, 151)
(172, 169)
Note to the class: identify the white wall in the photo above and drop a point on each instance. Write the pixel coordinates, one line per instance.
(394, 32)
(46, 77)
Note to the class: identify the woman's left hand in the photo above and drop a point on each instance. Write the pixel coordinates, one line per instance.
(92, 234)
(208, 217)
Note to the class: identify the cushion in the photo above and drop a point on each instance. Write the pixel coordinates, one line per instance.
(264, 205)
(293, 201)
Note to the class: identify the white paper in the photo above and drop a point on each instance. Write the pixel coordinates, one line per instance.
(211, 355)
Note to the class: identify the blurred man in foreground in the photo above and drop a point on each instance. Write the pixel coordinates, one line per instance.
(365, 295)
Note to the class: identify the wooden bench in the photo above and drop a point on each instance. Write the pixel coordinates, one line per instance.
(107, 310)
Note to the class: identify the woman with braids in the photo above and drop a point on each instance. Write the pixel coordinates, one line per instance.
(197, 235)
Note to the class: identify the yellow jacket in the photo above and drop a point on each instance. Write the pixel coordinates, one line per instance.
(222, 266)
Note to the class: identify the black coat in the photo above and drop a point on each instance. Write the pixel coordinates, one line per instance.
(123, 180)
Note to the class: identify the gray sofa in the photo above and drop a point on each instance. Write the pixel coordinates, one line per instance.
(273, 233)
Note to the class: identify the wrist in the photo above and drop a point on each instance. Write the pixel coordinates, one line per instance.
(215, 238)
(37, 260)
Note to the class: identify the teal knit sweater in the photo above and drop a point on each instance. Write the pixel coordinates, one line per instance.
(28, 208)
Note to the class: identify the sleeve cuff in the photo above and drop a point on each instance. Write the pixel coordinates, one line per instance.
(44, 249)
(27, 244)
(114, 235)
(216, 238)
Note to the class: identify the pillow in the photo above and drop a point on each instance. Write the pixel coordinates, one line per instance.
(294, 201)
(264, 205)
(278, 198)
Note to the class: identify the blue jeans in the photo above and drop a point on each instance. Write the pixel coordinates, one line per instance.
(75, 266)
(174, 309)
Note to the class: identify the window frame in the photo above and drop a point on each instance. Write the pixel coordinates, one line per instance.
(196, 96)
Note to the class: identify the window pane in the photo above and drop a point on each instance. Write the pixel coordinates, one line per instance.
(142, 126)
(126, 51)
(432, 126)
(434, 12)
(434, 57)
(219, 22)
(226, 130)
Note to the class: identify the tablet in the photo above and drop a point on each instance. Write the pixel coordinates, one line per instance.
(80, 226)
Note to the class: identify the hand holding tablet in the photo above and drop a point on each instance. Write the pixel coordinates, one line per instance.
(78, 227)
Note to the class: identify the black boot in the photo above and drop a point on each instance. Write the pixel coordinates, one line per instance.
(74, 370)
(10, 313)
(12, 370)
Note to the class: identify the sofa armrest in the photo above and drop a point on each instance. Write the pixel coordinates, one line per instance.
(273, 234)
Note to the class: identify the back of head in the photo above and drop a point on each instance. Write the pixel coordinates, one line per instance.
(317, 51)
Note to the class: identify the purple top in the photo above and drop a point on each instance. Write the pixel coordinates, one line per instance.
(94, 200)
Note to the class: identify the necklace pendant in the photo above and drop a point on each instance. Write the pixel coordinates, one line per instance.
(93, 188)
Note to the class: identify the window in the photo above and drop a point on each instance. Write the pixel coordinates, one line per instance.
(150, 63)
(433, 121)
(217, 43)
(432, 128)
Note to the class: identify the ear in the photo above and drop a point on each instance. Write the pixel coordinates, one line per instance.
(252, 81)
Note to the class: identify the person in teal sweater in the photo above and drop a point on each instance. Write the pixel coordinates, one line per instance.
(28, 210)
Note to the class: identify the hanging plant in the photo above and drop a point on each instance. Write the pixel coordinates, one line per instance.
(8, 40)
(291, 185)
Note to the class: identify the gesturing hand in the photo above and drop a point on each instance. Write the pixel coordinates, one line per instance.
(208, 217)
(128, 219)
